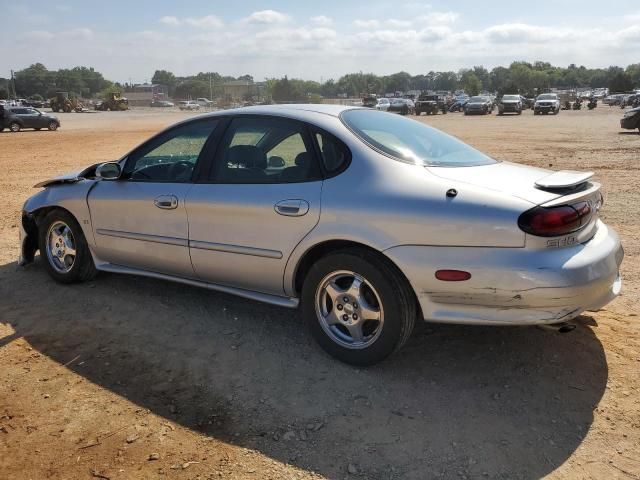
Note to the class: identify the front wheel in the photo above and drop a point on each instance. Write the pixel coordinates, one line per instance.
(358, 307)
(53, 126)
(64, 249)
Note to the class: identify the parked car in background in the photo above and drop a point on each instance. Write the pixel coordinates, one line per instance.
(430, 104)
(510, 103)
(188, 105)
(162, 104)
(478, 104)
(631, 119)
(547, 103)
(383, 104)
(204, 102)
(403, 106)
(613, 100)
(19, 118)
(374, 221)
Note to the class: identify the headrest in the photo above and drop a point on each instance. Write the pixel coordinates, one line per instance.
(247, 156)
(276, 162)
(303, 160)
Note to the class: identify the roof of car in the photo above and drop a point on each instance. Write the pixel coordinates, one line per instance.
(332, 110)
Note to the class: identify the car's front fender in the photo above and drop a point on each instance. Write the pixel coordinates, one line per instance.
(71, 197)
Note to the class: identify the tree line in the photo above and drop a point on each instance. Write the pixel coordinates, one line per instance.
(519, 77)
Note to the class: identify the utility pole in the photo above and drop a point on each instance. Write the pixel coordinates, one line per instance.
(210, 88)
(13, 82)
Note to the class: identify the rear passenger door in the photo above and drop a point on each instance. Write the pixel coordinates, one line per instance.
(257, 202)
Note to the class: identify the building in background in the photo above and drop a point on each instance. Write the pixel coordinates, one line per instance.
(145, 93)
(240, 90)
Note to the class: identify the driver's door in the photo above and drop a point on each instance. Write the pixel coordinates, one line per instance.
(140, 219)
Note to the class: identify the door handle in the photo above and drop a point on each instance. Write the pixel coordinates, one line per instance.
(292, 208)
(166, 202)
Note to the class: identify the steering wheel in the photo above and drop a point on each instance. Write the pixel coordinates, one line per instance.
(174, 171)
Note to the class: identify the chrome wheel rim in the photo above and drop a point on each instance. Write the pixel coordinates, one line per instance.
(61, 247)
(349, 309)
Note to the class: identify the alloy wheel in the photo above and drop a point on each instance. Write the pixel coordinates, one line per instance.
(61, 247)
(349, 309)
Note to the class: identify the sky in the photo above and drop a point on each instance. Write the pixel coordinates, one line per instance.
(128, 40)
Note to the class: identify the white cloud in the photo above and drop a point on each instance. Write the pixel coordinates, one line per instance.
(267, 17)
(438, 18)
(322, 21)
(366, 23)
(393, 22)
(208, 21)
(78, 33)
(171, 20)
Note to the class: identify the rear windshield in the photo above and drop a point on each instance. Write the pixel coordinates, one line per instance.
(411, 141)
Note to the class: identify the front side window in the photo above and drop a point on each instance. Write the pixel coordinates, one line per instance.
(171, 158)
(265, 150)
(411, 141)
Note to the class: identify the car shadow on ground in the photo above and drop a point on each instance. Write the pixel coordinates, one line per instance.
(457, 401)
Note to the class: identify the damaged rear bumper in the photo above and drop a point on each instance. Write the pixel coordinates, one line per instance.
(514, 286)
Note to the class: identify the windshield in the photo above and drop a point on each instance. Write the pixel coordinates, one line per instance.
(547, 96)
(411, 141)
(383, 100)
(511, 97)
(477, 99)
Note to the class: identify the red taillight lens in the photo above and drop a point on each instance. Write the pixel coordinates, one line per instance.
(555, 221)
(452, 275)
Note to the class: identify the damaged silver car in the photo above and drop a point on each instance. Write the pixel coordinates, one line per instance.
(366, 220)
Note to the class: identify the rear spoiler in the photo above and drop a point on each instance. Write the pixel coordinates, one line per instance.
(564, 180)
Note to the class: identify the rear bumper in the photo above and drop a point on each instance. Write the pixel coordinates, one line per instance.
(514, 286)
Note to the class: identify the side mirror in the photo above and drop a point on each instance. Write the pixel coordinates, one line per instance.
(108, 171)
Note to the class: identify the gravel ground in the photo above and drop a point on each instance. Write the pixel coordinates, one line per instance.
(126, 378)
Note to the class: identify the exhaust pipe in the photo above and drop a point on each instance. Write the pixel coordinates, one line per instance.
(563, 327)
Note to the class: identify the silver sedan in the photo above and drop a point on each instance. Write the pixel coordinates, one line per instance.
(365, 219)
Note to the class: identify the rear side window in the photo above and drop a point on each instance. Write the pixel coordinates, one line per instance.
(259, 150)
(334, 154)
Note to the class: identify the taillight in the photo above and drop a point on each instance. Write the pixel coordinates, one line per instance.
(555, 221)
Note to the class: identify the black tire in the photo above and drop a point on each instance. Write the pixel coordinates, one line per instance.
(53, 126)
(15, 127)
(396, 297)
(83, 268)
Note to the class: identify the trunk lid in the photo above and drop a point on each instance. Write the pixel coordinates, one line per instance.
(514, 179)
(538, 186)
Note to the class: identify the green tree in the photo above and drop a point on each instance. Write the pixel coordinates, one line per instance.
(633, 71)
(165, 77)
(34, 79)
(470, 82)
(192, 89)
(446, 81)
(620, 82)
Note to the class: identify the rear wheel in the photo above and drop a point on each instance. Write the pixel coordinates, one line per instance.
(359, 309)
(14, 127)
(64, 249)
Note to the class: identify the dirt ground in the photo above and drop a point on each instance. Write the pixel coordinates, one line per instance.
(127, 378)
